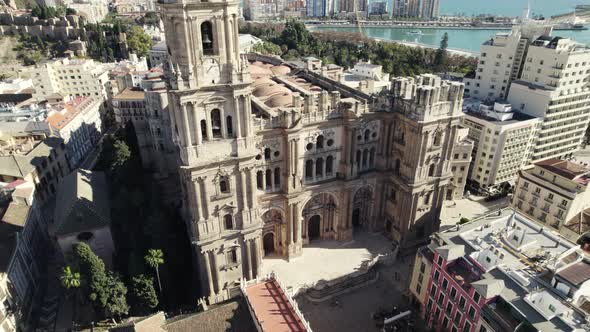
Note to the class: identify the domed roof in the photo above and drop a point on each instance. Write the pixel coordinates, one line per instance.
(262, 81)
(269, 89)
(259, 70)
(283, 99)
(281, 70)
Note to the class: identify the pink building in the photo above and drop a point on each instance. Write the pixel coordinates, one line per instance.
(457, 292)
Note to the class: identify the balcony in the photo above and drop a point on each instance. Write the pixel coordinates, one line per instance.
(549, 200)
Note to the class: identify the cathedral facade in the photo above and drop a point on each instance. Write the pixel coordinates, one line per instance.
(274, 155)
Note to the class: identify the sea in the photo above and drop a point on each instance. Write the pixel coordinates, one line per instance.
(469, 40)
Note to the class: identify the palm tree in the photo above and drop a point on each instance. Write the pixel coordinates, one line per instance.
(70, 280)
(154, 258)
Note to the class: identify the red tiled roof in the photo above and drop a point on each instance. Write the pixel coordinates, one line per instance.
(272, 308)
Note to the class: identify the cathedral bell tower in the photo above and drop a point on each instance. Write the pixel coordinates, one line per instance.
(210, 110)
(207, 76)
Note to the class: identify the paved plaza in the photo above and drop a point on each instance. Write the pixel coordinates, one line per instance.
(352, 312)
(470, 208)
(583, 156)
(326, 260)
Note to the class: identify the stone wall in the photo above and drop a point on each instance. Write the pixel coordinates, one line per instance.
(66, 28)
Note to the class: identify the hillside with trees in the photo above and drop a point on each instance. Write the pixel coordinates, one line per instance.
(292, 40)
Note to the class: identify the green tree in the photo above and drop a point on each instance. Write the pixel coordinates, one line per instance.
(105, 290)
(143, 294)
(138, 41)
(121, 154)
(154, 258)
(115, 301)
(267, 48)
(71, 281)
(440, 58)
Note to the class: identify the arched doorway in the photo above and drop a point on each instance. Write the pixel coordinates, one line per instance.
(314, 227)
(356, 218)
(322, 209)
(362, 208)
(268, 243)
(272, 231)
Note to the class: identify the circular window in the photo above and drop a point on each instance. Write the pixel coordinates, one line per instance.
(309, 146)
(277, 153)
(258, 157)
(374, 135)
(330, 142)
(85, 236)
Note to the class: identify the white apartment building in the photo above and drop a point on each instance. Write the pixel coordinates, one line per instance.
(70, 77)
(554, 86)
(158, 54)
(503, 141)
(552, 192)
(78, 123)
(500, 62)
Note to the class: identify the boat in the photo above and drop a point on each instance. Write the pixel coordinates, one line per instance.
(570, 26)
(415, 32)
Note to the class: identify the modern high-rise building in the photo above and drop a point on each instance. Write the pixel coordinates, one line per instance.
(319, 8)
(274, 156)
(504, 141)
(406, 8)
(501, 61)
(554, 86)
(542, 76)
(429, 9)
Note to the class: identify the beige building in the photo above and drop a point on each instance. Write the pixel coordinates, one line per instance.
(70, 77)
(274, 156)
(500, 62)
(552, 192)
(462, 155)
(28, 154)
(554, 86)
(504, 142)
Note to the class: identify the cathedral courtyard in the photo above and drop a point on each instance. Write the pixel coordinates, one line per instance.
(325, 260)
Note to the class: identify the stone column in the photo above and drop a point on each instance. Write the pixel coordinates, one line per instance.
(205, 197)
(209, 127)
(264, 180)
(239, 108)
(229, 40)
(209, 275)
(186, 127)
(257, 250)
(223, 123)
(297, 222)
(197, 123)
(313, 166)
(272, 179)
(249, 258)
(247, 116)
(244, 188)
(196, 204)
(235, 37)
(253, 187)
(217, 274)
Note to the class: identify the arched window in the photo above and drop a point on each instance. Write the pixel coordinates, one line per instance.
(319, 167)
(431, 170)
(320, 142)
(267, 154)
(437, 138)
(223, 187)
(268, 178)
(228, 221)
(365, 157)
(229, 125)
(309, 169)
(259, 180)
(203, 129)
(372, 157)
(207, 38)
(277, 177)
(216, 123)
(329, 165)
(367, 134)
